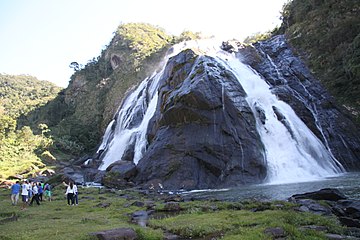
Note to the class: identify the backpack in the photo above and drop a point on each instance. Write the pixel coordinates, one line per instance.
(47, 187)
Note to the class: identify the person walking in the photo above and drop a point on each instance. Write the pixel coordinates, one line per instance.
(48, 192)
(30, 192)
(41, 191)
(76, 199)
(15, 191)
(25, 187)
(35, 194)
(70, 194)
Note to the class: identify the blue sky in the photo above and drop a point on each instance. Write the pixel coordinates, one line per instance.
(42, 37)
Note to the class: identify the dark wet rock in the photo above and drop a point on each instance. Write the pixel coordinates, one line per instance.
(125, 169)
(103, 205)
(347, 211)
(193, 142)
(118, 175)
(330, 194)
(74, 174)
(129, 151)
(93, 175)
(277, 232)
(98, 178)
(308, 205)
(303, 208)
(116, 234)
(352, 231)
(116, 180)
(138, 204)
(349, 222)
(350, 208)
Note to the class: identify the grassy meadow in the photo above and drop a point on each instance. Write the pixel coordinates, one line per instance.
(105, 209)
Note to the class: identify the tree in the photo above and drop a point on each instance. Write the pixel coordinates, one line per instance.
(76, 66)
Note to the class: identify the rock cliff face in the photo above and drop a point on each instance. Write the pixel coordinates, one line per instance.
(199, 137)
(204, 132)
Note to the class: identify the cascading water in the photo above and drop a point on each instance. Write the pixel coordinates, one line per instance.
(131, 123)
(293, 152)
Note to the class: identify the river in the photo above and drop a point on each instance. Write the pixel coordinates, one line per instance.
(347, 183)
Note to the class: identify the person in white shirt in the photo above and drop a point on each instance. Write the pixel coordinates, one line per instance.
(25, 193)
(76, 199)
(70, 191)
(35, 196)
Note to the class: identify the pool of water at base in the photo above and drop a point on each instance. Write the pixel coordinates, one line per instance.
(347, 183)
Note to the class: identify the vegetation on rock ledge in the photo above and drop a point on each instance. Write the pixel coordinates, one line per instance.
(327, 35)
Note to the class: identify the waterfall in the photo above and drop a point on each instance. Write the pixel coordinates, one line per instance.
(293, 152)
(131, 123)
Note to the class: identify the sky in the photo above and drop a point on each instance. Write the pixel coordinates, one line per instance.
(42, 37)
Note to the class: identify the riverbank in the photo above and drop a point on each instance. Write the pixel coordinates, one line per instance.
(150, 215)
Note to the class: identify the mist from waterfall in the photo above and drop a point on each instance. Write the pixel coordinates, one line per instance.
(292, 152)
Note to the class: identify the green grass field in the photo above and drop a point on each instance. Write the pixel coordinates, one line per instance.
(197, 219)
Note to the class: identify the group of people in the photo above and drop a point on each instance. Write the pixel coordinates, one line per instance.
(30, 192)
(34, 191)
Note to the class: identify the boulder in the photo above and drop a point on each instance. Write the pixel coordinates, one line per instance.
(330, 194)
(116, 234)
(308, 205)
(276, 232)
(74, 174)
(350, 207)
(349, 222)
(347, 211)
(125, 169)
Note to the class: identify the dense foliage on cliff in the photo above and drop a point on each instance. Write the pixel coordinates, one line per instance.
(22, 151)
(19, 94)
(327, 35)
